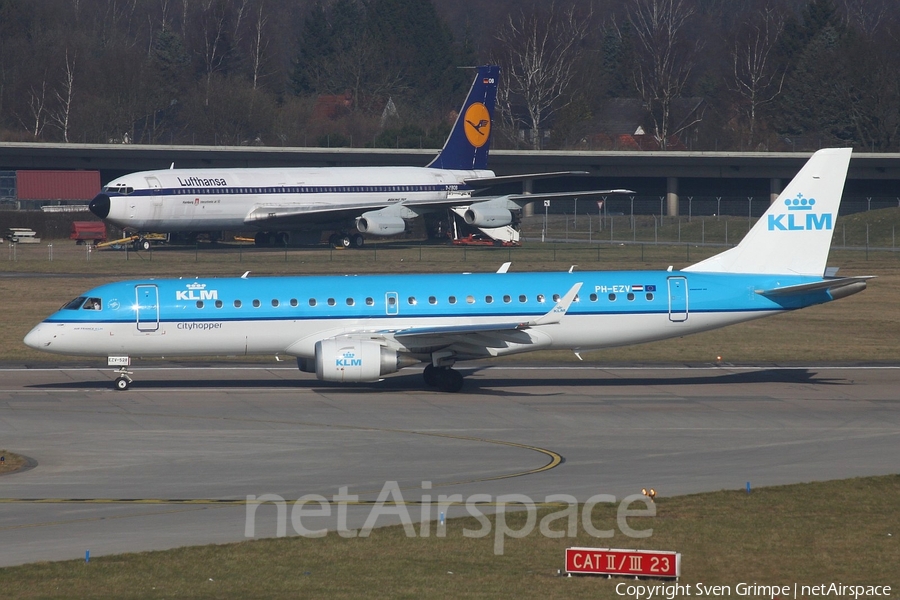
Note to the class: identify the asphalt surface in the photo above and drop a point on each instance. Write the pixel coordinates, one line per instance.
(172, 461)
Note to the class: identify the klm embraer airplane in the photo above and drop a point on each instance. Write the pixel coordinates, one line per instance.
(377, 201)
(361, 328)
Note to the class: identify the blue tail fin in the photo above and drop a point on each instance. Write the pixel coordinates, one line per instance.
(469, 141)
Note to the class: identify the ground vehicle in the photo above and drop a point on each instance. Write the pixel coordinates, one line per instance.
(22, 235)
(88, 231)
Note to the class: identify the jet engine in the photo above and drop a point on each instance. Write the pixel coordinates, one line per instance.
(351, 360)
(374, 223)
(487, 216)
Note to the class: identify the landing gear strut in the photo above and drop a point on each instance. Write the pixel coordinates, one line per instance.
(124, 379)
(443, 378)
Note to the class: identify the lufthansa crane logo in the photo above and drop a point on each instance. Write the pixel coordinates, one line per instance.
(477, 124)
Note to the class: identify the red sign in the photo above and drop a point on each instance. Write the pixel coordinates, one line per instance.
(610, 561)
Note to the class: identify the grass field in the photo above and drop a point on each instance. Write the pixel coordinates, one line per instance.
(842, 531)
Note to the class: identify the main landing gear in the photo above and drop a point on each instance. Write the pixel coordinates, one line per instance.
(123, 380)
(346, 240)
(443, 378)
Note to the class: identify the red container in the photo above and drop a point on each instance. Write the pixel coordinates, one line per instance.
(57, 185)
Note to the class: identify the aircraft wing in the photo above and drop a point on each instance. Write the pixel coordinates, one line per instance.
(272, 215)
(554, 315)
(281, 215)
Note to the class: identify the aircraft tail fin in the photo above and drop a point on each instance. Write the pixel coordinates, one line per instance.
(470, 139)
(793, 237)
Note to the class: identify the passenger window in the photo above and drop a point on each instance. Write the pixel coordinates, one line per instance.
(432, 300)
(312, 301)
(523, 298)
(199, 303)
(237, 303)
(612, 297)
(411, 300)
(255, 303)
(452, 299)
(275, 303)
(489, 299)
(507, 299)
(630, 296)
(331, 302)
(470, 299)
(540, 297)
(593, 297)
(294, 302)
(350, 301)
(218, 304)
(370, 302)
(649, 295)
(556, 297)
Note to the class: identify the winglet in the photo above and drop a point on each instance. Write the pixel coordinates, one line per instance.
(555, 314)
(504, 268)
(470, 139)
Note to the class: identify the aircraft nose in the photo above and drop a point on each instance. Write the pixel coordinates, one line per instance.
(38, 338)
(100, 205)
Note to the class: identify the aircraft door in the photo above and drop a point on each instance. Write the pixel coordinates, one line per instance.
(392, 303)
(147, 307)
(678, 299)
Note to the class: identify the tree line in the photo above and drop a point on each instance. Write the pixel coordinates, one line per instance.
(576, 74)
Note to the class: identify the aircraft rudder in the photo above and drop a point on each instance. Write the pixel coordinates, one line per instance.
(469, 142)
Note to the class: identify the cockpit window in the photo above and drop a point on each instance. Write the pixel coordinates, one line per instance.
(73, 304)
(119, 189)
(92, 304)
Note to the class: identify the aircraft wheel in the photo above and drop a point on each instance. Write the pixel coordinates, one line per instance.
(430, 375)
(449, 380)
(357, 240)
(122, 383)
(345, 241)
(145, 244)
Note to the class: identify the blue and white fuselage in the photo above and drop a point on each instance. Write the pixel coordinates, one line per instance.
(360, 328)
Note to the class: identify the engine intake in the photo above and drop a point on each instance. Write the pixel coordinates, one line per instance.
(378, 224)
(487, 216)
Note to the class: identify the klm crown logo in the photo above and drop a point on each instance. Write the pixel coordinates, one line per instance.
(196, 291)
(348, 359)
(800, 217)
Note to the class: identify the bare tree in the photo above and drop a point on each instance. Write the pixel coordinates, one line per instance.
(664, 61)
(865, 15)
(539, 52)
(61, 117)
(755, 78)
(37, 108)
(259, 46)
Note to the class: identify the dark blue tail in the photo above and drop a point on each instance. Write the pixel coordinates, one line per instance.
(469, 142)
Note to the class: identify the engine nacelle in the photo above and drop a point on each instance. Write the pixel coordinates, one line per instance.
(353, 360)
(378, 224)
(487, 216)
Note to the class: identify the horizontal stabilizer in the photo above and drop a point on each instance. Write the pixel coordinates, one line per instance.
(838, 287)
(485, 181)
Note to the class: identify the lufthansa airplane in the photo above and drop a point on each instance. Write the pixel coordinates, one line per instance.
(361, 328)
(376, 201)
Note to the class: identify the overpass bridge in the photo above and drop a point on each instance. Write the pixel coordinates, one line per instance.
(666, 182)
